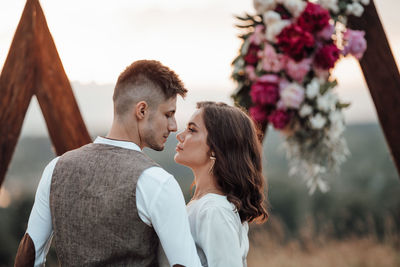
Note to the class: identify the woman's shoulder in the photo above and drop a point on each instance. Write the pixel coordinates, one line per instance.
(217, 207)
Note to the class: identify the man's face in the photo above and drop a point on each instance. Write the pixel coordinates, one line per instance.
(159, 124)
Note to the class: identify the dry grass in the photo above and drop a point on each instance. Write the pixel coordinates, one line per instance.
(267, 248)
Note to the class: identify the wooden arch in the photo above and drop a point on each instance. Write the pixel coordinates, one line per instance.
(33, 67)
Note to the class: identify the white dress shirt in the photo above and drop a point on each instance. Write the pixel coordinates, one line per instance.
(159, 201)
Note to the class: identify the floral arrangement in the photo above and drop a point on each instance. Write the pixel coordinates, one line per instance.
(283, 73)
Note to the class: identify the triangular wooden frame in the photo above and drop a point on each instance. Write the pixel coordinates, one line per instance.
(33, 67)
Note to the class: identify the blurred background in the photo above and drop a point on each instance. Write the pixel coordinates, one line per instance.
(357, 223)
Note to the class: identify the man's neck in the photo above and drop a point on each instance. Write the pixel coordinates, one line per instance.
(121, 132)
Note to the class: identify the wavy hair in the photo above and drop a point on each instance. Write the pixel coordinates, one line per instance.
(232, 137)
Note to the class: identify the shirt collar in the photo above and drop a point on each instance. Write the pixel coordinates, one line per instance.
(118, 143)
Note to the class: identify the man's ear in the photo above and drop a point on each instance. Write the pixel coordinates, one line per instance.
(141, 110)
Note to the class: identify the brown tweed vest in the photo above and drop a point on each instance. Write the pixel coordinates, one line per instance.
(93, 208)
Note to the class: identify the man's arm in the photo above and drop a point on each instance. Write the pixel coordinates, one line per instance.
(36, 242)
(164, 207)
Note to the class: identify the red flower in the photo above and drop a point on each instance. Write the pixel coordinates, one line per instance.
(264, 91)
(281, 10)
(295, 42)
(314, 18)
(326, 57)
(279, 118)
(259, 114)
(251, 57)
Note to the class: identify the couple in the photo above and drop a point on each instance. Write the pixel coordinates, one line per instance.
(108, 204)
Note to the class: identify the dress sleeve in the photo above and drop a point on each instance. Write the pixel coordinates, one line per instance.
(36, 242)
(218, 236)
(165, 207)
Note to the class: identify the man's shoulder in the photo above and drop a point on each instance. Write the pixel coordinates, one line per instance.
(157, 174)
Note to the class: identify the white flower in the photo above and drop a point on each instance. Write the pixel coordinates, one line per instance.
(271, 17)
(358, 9)
(275, 29)
(305, 110)
(295, 7)
(312, 89)
(337, 124)
(327, 101)
(365, 2)
(262, 6)
(349, 9)
(330, 4)
(336, 117)
(292, 95)
(317, 121)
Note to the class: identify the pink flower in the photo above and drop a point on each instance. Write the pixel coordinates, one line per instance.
(271, 61)
(259, 114)
(279, 118)
(265, 91)
(314, 18)
(327, 32)
(355, 43)
(251, 72)
(251, 57)
(292, 95)
(326, 57)
(258, 36)
(298, 70)
(295, 42)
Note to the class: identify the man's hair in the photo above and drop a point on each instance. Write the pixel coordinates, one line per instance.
(146, 80)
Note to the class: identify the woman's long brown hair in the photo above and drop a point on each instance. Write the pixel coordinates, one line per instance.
(232, 137)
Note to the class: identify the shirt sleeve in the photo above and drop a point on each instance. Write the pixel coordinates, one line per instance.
(218, 237)
(40, 227)
(163, 205)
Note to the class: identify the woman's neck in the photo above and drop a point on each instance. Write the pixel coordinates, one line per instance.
(205, 183)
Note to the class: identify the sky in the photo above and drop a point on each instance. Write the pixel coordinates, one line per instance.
(96, 40)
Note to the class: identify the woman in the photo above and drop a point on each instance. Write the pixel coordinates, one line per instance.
(221, 147)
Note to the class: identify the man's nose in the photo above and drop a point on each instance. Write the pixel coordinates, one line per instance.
(172, 127)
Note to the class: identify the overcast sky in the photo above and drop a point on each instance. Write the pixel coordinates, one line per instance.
(96, 40)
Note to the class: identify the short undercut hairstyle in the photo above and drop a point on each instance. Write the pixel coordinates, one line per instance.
(146, 80)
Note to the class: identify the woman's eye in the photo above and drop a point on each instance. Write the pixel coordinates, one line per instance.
(191, 130)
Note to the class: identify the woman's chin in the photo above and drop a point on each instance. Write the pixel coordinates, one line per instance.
(178, 159)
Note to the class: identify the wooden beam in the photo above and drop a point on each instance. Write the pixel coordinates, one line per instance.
(66, 127)
(33, 67)
(382, 76)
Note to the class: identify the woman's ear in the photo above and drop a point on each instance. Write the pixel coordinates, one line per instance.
(141, 110)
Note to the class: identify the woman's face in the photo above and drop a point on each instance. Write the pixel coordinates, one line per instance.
(192, 149)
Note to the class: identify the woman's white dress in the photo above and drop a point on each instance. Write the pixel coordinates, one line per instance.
(221, 239)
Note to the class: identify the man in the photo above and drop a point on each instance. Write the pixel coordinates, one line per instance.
(108, 204)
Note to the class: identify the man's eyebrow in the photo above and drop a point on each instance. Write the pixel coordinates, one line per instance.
(171, 111)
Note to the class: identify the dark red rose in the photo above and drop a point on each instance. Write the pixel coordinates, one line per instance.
(314, 18)
(281, 10)
(258, 114)
(295, 42)
(264, 92)
(279, 118)
(327, 56)
(251, 57)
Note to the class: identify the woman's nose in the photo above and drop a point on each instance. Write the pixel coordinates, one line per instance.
(180, 136)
